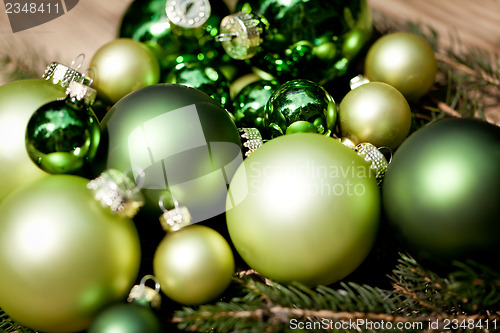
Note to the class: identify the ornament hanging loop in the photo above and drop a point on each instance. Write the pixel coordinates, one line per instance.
(225, 37)
(176, 218)
(81, 55)
(144, 294)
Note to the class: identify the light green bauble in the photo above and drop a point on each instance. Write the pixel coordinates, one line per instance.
(403, 60)
(194, 265)
(18, 101)
(304, 208)
(122, 66)
(376, 113)
(126, 318)
(63, 256)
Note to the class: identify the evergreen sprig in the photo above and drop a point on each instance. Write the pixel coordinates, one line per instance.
(419, 297)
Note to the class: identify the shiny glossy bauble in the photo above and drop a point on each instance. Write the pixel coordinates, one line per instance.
(63, 256)
(376, 113)
(193, 73)
(193, 265)
(250, 102)
(18, 101)
(184, 141)
(300, 100)
(441, 190)
(303, 207)
(122, 66)
(126, 318)
(62, 137)
(403, 60)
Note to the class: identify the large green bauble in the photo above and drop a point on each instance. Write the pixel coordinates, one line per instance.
(303, 207)
(18, 101)
(403, 60)
(63, 256)
(185, 142)
(442, 188)
(193, 265)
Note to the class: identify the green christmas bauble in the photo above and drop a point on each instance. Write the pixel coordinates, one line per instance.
(403, 60)
(62, 137)
(442, 187)
(183, 140)
(193, 265)
(250, 102)
(63, 256)
(303, 207)
(18, 101)
(300, 101)
(126, 318)
(193, 73)
(122, 66)
(376, 113)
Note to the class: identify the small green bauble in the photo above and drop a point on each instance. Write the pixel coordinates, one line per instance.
(441, 191)
(194, 265)
(62, 137)
(300, 100)
(376, 113)
(126, 318)
(63, 256)
(304, 208)
(193, 73)
(18, 101)
(250, 103)
(122, 66)
(403, 60)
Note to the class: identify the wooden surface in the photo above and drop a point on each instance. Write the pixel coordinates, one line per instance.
(93, 23)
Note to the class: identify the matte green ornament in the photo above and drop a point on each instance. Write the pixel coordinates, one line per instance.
(315, 40)
(63, 256)
(126, 318)
(193, 73)
(304, 208)
(300, 100)
(441, 191)
(182, 139)
(62, 136)
(194, 265)
(250, 102)
(18, 101)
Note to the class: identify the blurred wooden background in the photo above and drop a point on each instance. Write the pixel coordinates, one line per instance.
(93, 23)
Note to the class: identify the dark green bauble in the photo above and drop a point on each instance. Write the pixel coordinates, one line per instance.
(300, 101)
(250, 102)
(184, 141)
(126, 318)
(442, 189)
(193, 73)
(62, 137)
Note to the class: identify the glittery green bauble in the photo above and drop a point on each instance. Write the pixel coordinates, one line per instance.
(250, 103)
(62, 137)
(300, 101)
(441, 190)
(314, 40)
(304, 208)
(195, 74)
(126, 318)
(18, 101)
(63, 256)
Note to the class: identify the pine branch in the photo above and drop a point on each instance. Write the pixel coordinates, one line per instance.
(7, 325)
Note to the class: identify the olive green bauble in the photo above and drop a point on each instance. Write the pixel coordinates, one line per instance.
(442, 188)
(376, 113)
(122, 66)
(63, 256)
(18, 101)
(184, 141)
(126, 318)
(304, 208)
(403, 60)
(193, 265)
